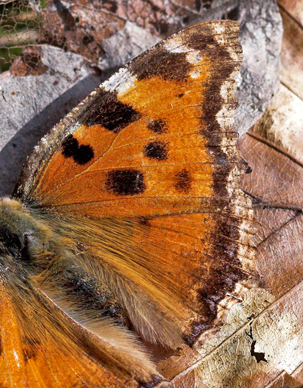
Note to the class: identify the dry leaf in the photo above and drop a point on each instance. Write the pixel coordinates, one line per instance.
(263, 334)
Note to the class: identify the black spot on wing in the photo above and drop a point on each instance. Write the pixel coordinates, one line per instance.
(156, 150)
(158, 126)
(69, 146)
(183, 181)
(125, 182)
(105, 109)
(81, 154)
(84, 155)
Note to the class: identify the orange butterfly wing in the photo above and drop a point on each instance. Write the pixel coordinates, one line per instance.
(152, 125)
(153, 149)
(37, 355)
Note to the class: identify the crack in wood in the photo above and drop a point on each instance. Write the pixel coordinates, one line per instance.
(259, 356)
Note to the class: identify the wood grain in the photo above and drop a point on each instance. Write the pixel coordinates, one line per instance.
(292, 54)
(294, 8)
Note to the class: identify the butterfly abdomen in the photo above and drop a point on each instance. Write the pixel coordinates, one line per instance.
(53, 260)
(34, 251)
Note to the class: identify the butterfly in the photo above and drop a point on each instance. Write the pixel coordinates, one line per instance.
(128, 227)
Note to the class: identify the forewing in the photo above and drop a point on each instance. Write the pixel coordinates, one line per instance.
(154, 146)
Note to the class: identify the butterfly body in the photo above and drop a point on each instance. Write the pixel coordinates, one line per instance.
(128, 227)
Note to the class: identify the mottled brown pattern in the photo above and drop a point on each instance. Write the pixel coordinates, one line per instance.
(29, 63)
(159, 62)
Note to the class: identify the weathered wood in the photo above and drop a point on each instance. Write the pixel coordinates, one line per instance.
(291, 55)
(254, 355)
(294, 8)
(284, 380)
(282, 122)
